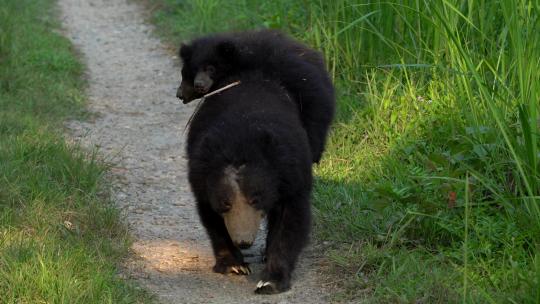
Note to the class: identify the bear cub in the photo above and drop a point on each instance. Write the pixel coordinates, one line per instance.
(249, 158)
(298, 68)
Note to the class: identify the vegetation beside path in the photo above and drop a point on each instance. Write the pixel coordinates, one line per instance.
(430, 185)
(60, 240)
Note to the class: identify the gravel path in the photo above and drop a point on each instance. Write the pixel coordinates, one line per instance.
(139, 125)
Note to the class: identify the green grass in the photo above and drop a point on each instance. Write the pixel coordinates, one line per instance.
(430, 184)
(60, 240)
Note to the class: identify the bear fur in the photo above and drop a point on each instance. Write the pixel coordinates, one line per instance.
(298, 68)
(254, 131)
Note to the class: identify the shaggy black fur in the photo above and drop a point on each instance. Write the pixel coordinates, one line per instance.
(300, 69)
(254, 125)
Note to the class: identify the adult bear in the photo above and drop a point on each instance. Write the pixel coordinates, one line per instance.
(249, 157)
(300, 69)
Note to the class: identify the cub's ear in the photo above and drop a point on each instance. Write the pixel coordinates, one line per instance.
(227, 49)
(185, 51)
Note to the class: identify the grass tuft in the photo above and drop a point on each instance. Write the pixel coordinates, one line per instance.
(60, 241)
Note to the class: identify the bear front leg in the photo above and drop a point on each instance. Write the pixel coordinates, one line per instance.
(229, 259)
(288, 230)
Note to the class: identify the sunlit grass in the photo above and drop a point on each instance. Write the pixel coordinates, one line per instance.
(60, 240)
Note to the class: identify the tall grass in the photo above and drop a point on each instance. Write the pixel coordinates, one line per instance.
(431, 178)
(60, 239)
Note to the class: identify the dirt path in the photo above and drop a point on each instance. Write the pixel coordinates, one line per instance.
(139, 125)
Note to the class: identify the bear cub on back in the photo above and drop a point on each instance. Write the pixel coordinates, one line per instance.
(249, 157)
(295, 66)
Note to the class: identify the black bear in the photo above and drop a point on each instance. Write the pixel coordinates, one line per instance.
(249, 157)
(300, 69)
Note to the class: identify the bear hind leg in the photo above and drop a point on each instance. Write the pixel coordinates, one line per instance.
(229, 259)
(288, 230)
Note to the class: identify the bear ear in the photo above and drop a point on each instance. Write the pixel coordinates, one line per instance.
(185, 51)
(226, 49)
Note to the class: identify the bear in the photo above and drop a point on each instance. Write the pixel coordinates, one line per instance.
(249, 158)
(300, 69)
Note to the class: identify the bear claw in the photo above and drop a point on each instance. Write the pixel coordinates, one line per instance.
(240, 270)
(262, 284)
(266, 288)
(236, 268)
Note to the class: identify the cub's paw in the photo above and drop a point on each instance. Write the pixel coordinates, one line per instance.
(239, 269)
(270, 287)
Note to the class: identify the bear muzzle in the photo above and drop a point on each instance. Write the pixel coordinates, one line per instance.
(243, 222)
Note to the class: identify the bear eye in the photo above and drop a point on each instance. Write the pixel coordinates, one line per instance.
(210, 69)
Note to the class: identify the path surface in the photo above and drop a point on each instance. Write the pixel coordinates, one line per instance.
(139, 124)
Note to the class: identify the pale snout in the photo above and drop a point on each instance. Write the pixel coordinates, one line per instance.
(243, 222)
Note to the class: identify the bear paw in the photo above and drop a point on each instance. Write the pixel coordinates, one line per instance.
(269, 287)
(242, 269)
